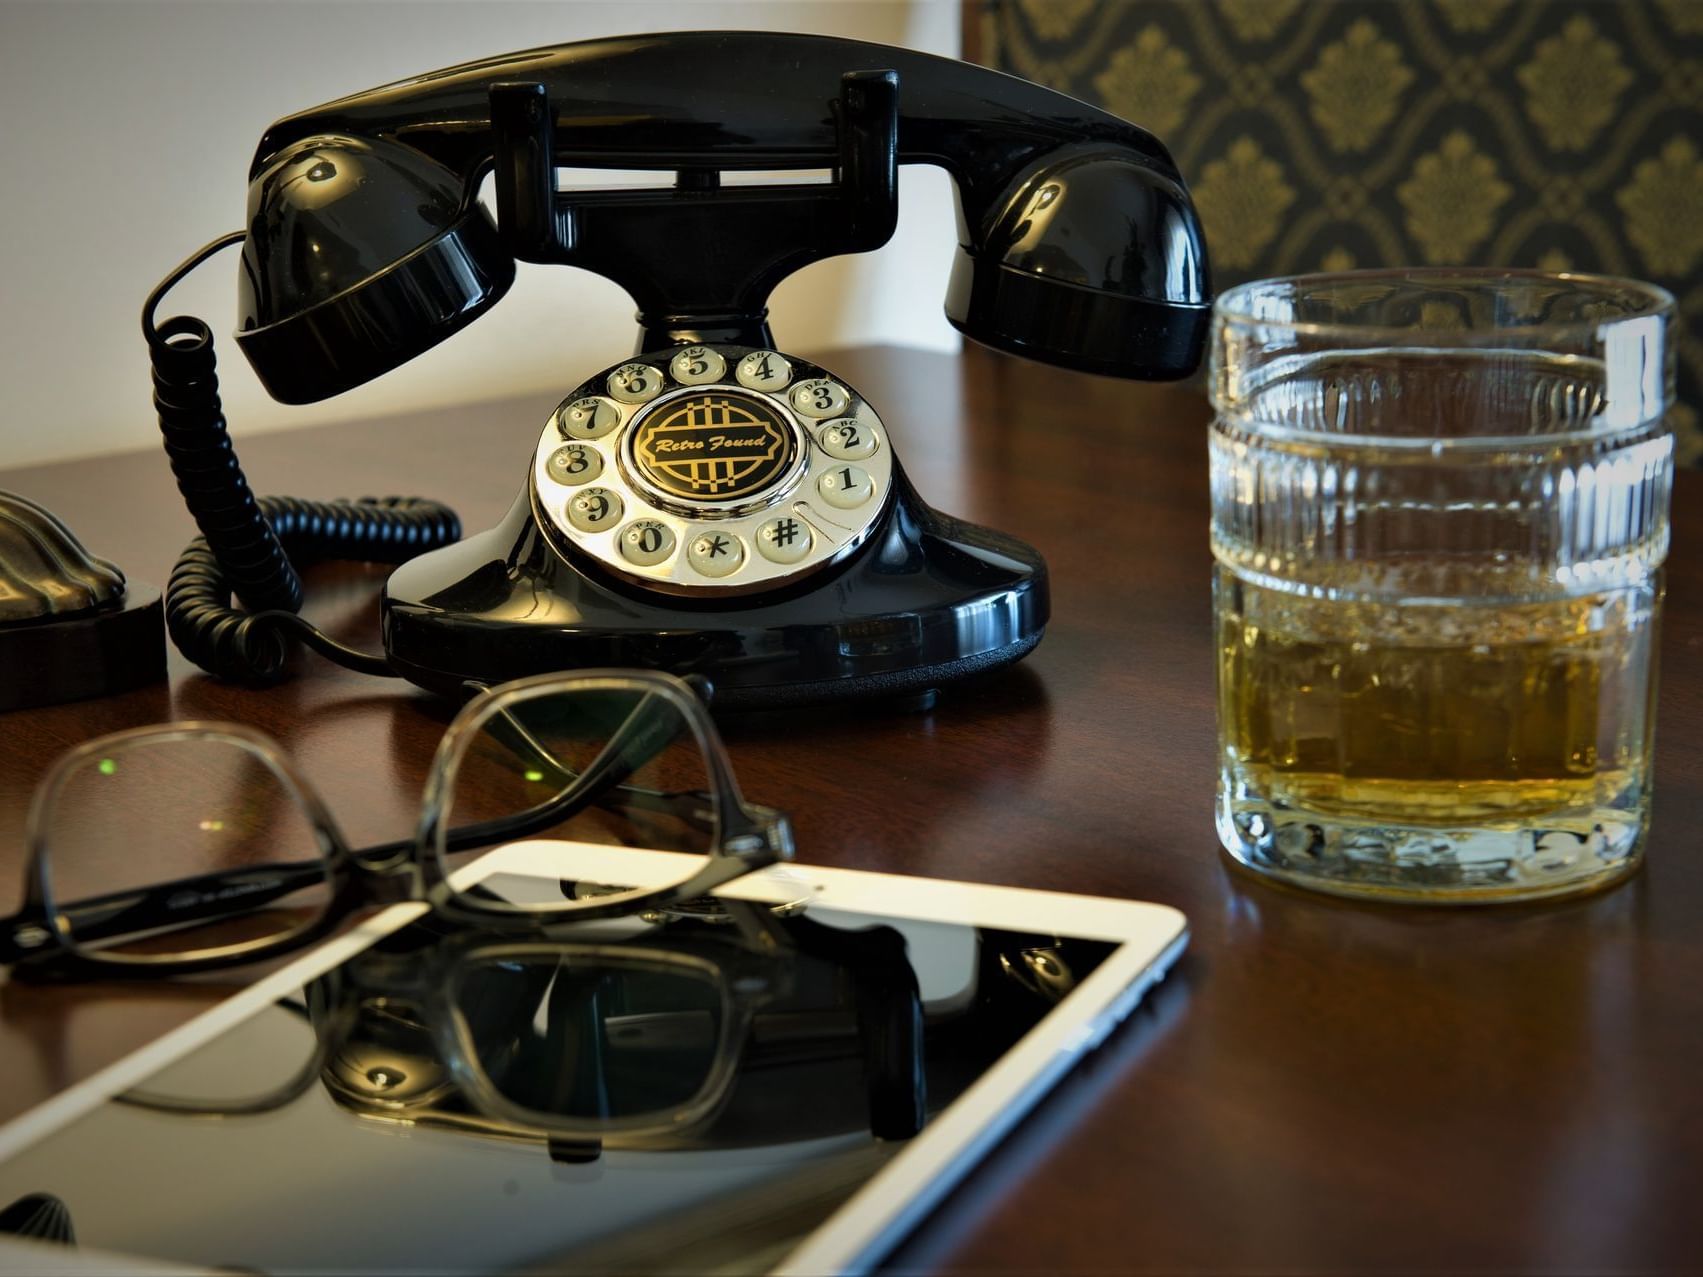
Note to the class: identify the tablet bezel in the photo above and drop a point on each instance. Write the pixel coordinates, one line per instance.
(869, 1223)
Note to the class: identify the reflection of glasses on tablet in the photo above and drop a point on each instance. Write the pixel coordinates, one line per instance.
(579, 1040)
(191, 846)
(530, 1037)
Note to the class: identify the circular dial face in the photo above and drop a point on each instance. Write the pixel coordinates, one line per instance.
(728, 474)
(716, 445)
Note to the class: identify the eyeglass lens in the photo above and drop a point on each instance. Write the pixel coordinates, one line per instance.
(181, 845)
(591, 1037)
(619, 767)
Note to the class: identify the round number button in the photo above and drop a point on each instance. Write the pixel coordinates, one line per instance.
(845, 487)
(715, 553)
(574, 463)
(645, 542)
(847, 440)
(590, 418)
(784, 540)
(697, 366)
(594, 509)
(635, 383)
(820, 398)
(763, 370)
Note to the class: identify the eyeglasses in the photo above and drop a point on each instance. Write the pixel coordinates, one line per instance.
(193, 846)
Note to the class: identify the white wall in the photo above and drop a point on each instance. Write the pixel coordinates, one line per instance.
(126, 136)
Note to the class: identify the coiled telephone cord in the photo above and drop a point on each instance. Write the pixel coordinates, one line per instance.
(249, 547)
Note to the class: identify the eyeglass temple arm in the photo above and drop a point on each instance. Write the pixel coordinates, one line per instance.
(615, 762)
(160, 906)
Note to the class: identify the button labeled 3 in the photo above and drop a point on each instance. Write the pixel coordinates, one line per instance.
(820, 397)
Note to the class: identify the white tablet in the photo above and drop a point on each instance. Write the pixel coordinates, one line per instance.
(780, 1086)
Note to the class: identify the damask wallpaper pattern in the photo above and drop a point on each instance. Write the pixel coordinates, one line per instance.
(1334, 134)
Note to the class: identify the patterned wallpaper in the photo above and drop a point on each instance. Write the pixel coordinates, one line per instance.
(1334, 134)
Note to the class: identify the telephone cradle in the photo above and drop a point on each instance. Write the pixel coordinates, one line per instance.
(713, 505)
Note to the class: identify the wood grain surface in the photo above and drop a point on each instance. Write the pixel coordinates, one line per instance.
(1320, 1087)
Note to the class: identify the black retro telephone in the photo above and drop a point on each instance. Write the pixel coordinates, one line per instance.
(712, 505)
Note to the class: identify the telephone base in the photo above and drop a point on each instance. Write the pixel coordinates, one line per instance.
(929, 600)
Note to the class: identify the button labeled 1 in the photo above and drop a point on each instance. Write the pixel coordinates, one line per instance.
(845, 487)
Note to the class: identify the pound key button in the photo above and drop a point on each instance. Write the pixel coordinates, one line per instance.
(635, 383)
(845, 487)
(784, 540)
(763, 370)
(715, 553)
(574, 463)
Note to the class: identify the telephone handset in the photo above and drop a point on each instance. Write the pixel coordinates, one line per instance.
(713, 505)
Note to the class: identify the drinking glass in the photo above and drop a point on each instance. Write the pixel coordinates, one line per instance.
(1439, 515)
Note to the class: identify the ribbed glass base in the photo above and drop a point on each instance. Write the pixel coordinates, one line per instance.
(1563, 852)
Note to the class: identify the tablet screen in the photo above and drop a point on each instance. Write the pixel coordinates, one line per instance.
(683, 1093)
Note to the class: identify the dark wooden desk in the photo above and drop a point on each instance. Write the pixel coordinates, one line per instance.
(1320, 1088)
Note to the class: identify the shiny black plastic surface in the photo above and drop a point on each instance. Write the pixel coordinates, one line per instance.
(331, 1132)
(928, 599)
(366, 244)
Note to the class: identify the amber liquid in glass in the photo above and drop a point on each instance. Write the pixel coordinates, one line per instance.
(1351, 729)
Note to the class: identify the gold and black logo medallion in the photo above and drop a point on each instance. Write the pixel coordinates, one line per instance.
(720, 446)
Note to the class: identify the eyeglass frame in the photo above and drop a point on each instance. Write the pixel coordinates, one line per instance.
(38, 940)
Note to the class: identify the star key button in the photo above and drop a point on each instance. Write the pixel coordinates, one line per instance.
(715, 554)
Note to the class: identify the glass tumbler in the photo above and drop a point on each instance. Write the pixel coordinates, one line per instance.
(1439, 515)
